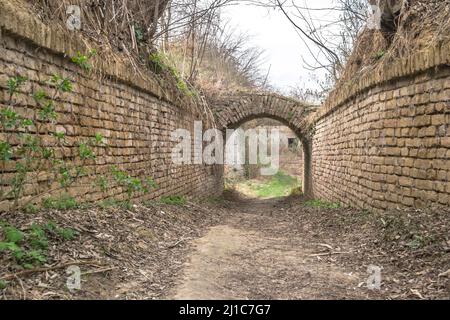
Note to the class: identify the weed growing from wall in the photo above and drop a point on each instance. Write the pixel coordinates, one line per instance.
(159, 66)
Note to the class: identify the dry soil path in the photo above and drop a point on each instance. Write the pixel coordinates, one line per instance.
(251, 255)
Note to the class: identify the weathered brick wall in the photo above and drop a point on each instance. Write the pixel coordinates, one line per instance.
(384, 141)
(136, 116)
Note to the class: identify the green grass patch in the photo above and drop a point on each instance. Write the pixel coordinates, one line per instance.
(379, 54)
(160, 64)
(318, 203)
(3, 284)
(113, 203)
(63, 233)
(279, 185)
(173, 200)
(63, 202)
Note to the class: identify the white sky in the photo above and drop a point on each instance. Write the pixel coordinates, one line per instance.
(271, 31)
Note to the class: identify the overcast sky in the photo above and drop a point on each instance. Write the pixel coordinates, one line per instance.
(271, 31)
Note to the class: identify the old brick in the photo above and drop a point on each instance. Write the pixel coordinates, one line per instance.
(422, 164)
(405, 181)
(445, 142)
(418, 173)
(390, 123)
(408, 201)
(438, 119)
(427, 132)
(423, 184)
(423, 120)
(405, 122)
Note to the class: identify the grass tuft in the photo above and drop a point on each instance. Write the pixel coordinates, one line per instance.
(279, 185)
(173, 200)
(63, 202)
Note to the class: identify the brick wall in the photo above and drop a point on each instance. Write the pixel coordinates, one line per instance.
(384, 141)
(136, 116)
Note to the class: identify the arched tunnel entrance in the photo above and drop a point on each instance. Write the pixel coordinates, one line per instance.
(234, 112)
(266, 157)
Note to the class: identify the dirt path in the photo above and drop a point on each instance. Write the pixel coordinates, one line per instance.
(253, 255)
(236, 248)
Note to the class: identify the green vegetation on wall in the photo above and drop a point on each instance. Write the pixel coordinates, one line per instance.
(31, 145)
(160, 64)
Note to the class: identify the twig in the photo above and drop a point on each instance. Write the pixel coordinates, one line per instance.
(146, 277)
(417, 293)
(328, 253)
(60, 266)
(98, 271)
(324, 245)
(77, 228)
(177, 243)
(444, 274)
(23, 289)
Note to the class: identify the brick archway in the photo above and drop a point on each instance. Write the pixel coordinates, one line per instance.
(232, 111)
